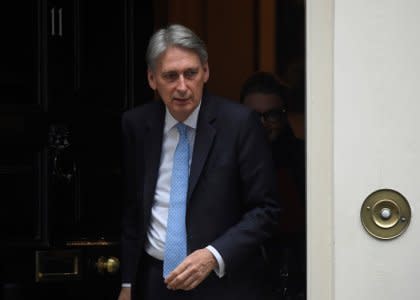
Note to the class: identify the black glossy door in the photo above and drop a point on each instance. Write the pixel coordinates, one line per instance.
(87, 71)
(68, 71)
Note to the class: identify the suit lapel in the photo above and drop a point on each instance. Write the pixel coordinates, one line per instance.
(205, 134)
(152, 152)
(204, 137)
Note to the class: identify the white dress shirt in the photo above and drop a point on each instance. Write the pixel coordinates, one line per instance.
(156, 234)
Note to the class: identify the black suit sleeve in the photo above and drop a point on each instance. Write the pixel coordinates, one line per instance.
(261, 207)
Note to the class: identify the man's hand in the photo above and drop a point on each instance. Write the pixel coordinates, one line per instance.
(125, 294)
(192, 271)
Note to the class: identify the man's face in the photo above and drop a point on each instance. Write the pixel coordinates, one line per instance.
(179, 78)
(271, 109)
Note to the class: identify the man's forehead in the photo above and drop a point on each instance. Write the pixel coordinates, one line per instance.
(178, 58)
(178, 69)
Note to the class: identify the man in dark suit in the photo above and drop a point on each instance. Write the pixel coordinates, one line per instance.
(269, 97)
(194, 231)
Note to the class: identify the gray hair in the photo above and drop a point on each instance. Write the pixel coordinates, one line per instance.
(174, 36)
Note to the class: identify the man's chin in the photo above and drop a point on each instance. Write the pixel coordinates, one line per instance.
(272, 135)
(181, 112)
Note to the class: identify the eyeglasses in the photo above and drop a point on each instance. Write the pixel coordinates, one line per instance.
(273, 115)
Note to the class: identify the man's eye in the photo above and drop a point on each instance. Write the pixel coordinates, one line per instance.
(171, 76)
(190, 74)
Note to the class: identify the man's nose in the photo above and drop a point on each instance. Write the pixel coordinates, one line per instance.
(181, 84)
(263, 120)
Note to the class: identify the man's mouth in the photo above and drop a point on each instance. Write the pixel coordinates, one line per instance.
(181, 100)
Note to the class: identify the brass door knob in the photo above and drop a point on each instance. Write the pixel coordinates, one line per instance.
(109, 265)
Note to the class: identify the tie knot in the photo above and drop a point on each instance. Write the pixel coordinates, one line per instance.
(182, 129)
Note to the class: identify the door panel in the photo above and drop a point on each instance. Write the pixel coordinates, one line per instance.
(103, 55)
(67, 76)
(19, 61)
(20, 187)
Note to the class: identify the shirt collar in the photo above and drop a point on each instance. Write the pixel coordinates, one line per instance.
(191, 121)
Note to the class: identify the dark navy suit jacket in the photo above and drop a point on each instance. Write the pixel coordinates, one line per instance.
(232, 200)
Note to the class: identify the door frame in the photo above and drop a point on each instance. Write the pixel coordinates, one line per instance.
(319, 153)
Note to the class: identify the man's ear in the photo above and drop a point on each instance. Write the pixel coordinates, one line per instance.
(206, 70)
(152, 79)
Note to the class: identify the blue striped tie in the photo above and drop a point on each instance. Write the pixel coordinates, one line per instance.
(176, 236)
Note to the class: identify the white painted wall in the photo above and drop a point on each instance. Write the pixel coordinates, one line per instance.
(363, 114)
(376, 143)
